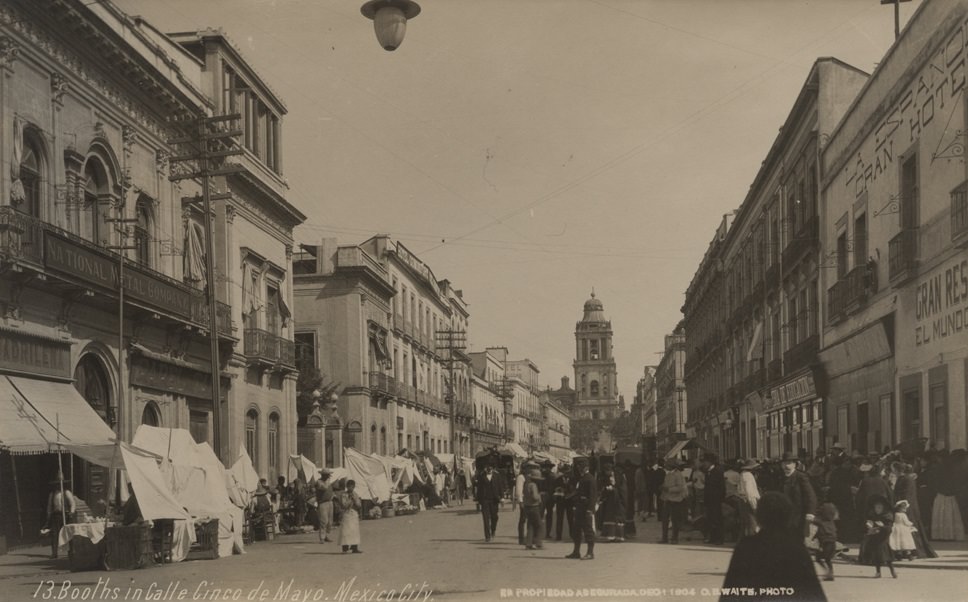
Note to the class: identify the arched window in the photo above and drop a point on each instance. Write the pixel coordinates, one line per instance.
(383, 440)
(142, 231)
(151, 415)
(593, 388)
(91, 381)
(273, 445)
(372, 438)
(31, 174)
(95, 186)
(251, 435)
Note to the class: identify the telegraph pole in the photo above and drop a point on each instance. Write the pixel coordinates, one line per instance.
(204, 152)
(453, 341)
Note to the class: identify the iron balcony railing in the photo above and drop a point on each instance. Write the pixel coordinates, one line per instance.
(262, 345)
(23, 238)
(902, 253)
(802, 354)
(806, 238)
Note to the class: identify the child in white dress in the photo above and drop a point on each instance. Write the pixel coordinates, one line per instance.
(902, 537)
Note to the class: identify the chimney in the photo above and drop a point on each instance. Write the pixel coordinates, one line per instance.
(326, 260)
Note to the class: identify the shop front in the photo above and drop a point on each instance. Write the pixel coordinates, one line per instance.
(860, 405)
(794, 417)
(45, 406)
(931, 355)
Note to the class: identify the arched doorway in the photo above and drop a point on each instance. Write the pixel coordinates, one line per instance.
(93, 382)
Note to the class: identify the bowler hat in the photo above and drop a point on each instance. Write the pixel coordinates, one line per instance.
(838, 446)
(535, 475)
(789, 457)
(749, 465)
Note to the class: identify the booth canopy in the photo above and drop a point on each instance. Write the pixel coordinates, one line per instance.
(516, 449)
(683, 446)
(32, 412)
(302, 467)
(370, 476)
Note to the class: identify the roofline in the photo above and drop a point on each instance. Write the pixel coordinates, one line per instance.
(209, 33)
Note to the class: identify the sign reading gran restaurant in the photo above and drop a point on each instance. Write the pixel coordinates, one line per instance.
(64, 255)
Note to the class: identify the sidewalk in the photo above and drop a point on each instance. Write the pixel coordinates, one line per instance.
(33, 561)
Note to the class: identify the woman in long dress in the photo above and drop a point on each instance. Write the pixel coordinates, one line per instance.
(749, 493)
(906, 489)
(349, 531)
(946, 524)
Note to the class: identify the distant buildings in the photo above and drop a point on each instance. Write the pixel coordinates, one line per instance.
(670, 392)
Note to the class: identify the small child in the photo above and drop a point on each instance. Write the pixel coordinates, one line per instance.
(902, 536)
(826, 536)
(876, 549)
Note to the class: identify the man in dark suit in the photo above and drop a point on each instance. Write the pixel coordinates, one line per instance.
(797, 488)
(714, 494)
(488, 488)
(584, 499)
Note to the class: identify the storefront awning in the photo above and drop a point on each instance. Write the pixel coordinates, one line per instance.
(516, 449)
(865, 347)
(678, 447)
(31, 411)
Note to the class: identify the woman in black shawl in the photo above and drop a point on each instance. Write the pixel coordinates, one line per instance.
(773, 558)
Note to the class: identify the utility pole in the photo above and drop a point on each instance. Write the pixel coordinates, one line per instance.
(506, 393)
(897, 15)
(453, 341)
(205, 149)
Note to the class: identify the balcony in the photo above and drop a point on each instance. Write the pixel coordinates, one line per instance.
(802, 354)
(263, 347)
(806, 239)
(356, 258)
(959, 215)
(27, 242)
(381, 383)
(860, 284)
(902, 252)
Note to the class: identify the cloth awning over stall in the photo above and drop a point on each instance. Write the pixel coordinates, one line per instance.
(31, 409)
(516, 449)
(683, 445)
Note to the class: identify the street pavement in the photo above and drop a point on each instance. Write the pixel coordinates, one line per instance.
(441, 555)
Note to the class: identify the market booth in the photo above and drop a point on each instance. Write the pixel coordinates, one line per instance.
(199, 482)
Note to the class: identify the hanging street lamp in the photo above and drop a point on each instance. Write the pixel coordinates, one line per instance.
(390, 19)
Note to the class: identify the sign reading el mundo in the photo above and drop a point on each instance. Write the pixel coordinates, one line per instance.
(941, 303)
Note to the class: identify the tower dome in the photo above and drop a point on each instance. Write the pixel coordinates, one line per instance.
(594, 310)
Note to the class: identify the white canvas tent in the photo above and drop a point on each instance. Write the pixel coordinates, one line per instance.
(197, 479)
(243, 480)
(302, 467)
(369, 473)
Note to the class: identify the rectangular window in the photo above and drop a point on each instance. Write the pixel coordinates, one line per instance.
(887, 422)
(305, 351)
(273, 315)
(938, 404)
(273, 442)
(198, 425)
(842, 254)
(863, 428)
(911, 406)
(860, 240)
(792, 323)
(804, 316)
(843, 424)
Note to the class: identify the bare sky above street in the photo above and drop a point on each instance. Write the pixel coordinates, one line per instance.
(529, 150)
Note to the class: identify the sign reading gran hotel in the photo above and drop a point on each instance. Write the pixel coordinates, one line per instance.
(65, 255)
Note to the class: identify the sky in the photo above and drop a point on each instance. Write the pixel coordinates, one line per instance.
(530, 151)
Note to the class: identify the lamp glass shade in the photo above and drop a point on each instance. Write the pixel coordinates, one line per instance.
(391, 25)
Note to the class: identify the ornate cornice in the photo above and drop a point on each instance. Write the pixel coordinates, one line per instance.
(41, 40)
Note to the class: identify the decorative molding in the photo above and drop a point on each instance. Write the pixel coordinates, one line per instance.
(42, 40)
(58, 88)
(288, 252)
(162, 161)
(230, 213)
(9, 51)
(128, 138)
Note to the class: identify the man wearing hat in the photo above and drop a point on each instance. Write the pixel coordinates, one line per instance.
(60, 503)
(562, 501)
(519, 497)
(673, 498)
(797, 488)
(488, 489)
(532, 505)
(714, 494)
(324, 504)
(584, 498)
(260, 499)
